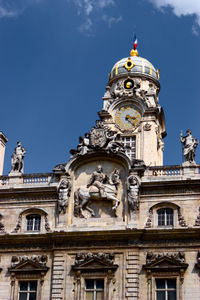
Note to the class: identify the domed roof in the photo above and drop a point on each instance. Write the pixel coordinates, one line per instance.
(134, 65)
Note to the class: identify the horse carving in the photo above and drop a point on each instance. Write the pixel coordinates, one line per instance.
(100, 187)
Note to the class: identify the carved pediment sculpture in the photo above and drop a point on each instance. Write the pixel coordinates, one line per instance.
(64, 191)
(94, 262)
(99, 138)
(165, 263)
(133, 186)
(100, 187)
(197, 265)
(26, 267)
(2, 227)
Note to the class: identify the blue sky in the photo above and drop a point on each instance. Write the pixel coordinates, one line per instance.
(55, 56)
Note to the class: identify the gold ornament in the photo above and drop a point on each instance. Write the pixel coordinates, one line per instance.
(129, 64)
(134, 52)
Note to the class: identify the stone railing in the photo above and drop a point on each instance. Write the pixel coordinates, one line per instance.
(26, 179)
(173, 171)
(36, 178)
(166, 171)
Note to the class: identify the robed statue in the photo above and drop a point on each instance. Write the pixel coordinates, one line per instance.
(17, 159)
(189, 144)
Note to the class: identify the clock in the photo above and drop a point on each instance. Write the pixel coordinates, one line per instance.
(127, 117)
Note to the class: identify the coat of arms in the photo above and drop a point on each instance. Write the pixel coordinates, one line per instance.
(98, 135)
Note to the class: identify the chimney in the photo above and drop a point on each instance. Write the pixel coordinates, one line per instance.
(3, 141)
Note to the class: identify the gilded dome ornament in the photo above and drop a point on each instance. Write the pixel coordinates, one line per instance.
(129, 64)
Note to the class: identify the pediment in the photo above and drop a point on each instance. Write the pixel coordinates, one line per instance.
(94, 264)
(28, 266)
(166, 263)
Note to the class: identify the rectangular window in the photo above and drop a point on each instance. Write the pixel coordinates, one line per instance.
(94, 289)
(165, 289)
(33, 222)
(129, 143)
(27, 290)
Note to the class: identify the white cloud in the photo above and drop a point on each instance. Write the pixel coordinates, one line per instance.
(13, 8)
(182, 8)
(89, 9)
(111, 20)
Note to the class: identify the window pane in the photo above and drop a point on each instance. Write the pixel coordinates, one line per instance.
(89, 296)
(160, 295)
(33, 285)
(171, 283)
(171, 295)
(22, 296)
(23, 285)
(89, 284)
(32, 296)
(100, 296)
(100, 284)
(160, 283)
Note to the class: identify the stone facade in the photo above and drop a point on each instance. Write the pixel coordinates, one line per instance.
(112, 221)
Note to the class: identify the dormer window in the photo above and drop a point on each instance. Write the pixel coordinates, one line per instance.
(165, 217)
(33, 222)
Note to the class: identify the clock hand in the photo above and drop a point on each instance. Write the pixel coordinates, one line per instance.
(131, 119)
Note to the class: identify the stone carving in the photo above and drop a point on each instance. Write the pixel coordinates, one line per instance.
(99, 138)
(60, 168)
(147, 127)
(64, 191)
(133, 186)
(181, 220)
(152, 257)
(2, 227)
(119, 90)
(189, 144)
(100, 187)
(17, 159)
(198, 257)
(107, 94)
(40, 259)
(85, 257)
(149, 219)
(197, 221)
(19, 223)
(46, 225)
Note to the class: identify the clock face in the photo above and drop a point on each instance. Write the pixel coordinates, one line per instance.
(127, 117)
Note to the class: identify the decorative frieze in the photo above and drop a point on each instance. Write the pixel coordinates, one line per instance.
(85, 257)
(40, 259)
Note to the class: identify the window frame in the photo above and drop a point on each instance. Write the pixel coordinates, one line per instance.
(133, 144)
(165, 217)
(34, 222)
(95, 290)
(166, 289)
(27, 291)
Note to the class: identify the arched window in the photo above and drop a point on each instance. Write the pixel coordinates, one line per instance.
(33, 222)
(165, 217)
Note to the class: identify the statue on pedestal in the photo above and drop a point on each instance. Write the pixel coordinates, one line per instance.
(17, 159)
(189, 144)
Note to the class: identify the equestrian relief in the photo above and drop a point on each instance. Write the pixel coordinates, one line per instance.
(101, 187)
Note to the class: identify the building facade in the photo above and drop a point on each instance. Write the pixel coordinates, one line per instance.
(112, 223)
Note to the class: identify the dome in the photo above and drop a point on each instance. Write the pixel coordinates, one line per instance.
(134, 65)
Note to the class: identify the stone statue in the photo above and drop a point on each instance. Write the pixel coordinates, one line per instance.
(64, 191)
(17, 159)
(83, 144)
(133, 186)
(189, 144)
(98, 179)
(100, 187)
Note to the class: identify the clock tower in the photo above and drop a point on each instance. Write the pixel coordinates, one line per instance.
(131, 108)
